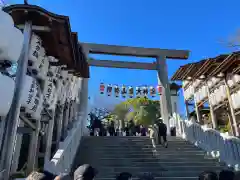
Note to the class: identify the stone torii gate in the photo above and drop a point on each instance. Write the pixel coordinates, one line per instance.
(160, 65)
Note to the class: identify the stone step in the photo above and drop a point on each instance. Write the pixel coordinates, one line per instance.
(160, 159)
(157, 178)
(97, 152)
(159, 168)
(129, 140)
(156, 163)
(139, 139)
(179, 173)
(139, 149)
(144, 147)
(130, 137)
(139, 152)
(148, 144)
(146, 162)
(122, 146)
(148, 155)
(113, 155)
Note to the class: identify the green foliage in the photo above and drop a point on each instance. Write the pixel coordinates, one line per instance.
(144, 111)
(130, 115)
(121, 110)
(109, 118)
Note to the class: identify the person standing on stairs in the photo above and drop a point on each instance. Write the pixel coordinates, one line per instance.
(124, 176)
(85, 172)
(111, 129)
(96, 126)
(143, 131)
(147, 176)
(226, 175)
(126, 129)
(153, 135)
(132, 128)
(208, 175)
(162, 133)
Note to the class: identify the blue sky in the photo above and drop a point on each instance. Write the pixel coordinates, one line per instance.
(198, 26)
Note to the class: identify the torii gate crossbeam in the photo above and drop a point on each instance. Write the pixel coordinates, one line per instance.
(160, 65)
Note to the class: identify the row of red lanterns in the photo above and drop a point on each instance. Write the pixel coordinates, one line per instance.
(123, 90)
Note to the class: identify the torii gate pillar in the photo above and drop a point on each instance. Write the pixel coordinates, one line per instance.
(160, 66)
(165, 98)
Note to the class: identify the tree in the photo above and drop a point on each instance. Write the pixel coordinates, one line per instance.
(121, 110)
(141, 110)
(130, 115)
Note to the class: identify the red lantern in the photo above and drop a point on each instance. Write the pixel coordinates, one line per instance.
(102, 88)
(159, 89)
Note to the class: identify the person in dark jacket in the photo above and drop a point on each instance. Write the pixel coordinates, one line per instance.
(85, 172)
(97, 126)
(146, 176)
(143, 131)
(111, 129)
(117, 132)
(208, 175)
(126, 129)
(138, 129)
(124, 176)
(226, 175)
(132, 128)
(162, 133)
(104, 130)
(63, 177)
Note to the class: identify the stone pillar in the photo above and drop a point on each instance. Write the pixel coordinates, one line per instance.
(165, 100)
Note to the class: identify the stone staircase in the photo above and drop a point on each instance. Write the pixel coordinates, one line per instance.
(112, 155)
